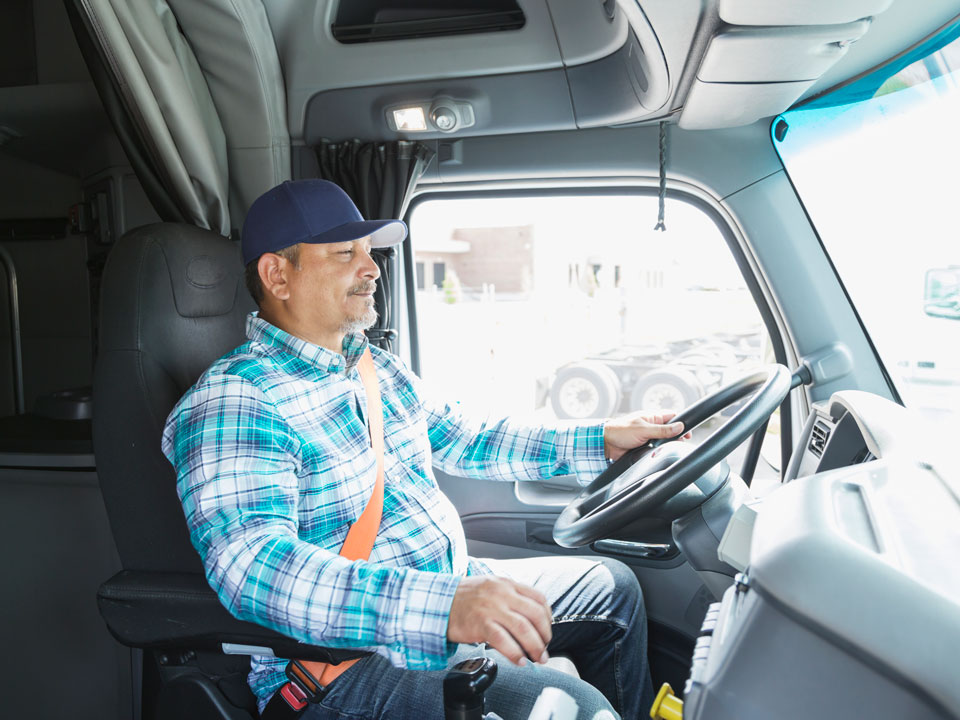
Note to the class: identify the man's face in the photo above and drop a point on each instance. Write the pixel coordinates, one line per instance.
(332, 292)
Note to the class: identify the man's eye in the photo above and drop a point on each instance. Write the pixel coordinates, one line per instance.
(347, 252)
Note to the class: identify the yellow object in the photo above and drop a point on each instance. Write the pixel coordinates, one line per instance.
(667, 706)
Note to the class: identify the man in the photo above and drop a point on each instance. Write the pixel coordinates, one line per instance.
(274, 464)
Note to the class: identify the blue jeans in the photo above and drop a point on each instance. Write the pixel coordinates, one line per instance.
(598, 621)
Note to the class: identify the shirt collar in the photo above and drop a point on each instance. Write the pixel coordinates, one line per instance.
(259, 330)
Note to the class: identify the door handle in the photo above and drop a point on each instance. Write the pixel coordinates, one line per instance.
(538, 534)
(649, 551)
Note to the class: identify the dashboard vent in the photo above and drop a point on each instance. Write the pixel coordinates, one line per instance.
(819, 437)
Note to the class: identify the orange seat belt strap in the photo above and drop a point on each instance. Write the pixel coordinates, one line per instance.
(363, 533)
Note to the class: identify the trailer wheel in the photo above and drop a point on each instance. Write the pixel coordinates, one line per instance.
(585, 390)
(667, 389)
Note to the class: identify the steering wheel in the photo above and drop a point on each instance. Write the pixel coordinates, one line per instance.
(646, 477)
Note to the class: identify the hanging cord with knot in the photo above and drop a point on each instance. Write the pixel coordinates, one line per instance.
(663, 176)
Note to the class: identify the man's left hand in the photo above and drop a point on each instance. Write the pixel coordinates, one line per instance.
(633, 430)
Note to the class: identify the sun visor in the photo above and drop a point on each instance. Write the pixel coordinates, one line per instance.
(720, 105)
(808, 12)
(788, 54)
(750, 72)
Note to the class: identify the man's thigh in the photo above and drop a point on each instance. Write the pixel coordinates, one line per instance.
(374, 689)
(579, 588)
(599, 622)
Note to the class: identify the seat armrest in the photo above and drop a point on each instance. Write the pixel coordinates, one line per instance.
(179, 610)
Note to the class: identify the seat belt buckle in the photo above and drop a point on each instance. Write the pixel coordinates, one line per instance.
(303, 688)
(293, 696)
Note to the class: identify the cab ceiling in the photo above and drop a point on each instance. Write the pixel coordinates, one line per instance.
(515, 78)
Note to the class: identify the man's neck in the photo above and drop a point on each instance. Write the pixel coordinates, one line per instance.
(331, 340)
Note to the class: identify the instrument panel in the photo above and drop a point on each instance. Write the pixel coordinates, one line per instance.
(848, 604)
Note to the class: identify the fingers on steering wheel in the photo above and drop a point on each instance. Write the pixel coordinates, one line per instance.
(665, 430)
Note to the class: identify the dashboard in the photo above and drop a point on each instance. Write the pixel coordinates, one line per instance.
(836, 433)
(848, 599)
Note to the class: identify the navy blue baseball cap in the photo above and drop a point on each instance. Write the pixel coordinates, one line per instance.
(310, 211)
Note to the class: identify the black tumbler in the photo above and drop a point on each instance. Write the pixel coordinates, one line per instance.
(463, 688)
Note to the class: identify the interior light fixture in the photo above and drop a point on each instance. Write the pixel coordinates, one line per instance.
(443, 114)
(410, 119)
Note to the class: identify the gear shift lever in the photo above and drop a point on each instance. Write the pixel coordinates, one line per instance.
(463, 688)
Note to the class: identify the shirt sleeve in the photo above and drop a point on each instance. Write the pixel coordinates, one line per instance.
(502, 449)
(237, 478)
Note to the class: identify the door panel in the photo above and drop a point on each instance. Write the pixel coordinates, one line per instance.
(498, 525)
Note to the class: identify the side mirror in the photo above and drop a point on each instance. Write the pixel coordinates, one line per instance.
(941, 293)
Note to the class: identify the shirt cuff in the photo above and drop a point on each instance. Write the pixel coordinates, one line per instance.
(427, 598)
(581, 446)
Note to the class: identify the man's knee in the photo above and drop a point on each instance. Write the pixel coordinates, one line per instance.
(516, 690)
(621, 586)
(591, 702)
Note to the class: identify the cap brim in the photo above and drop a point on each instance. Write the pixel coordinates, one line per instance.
(382, 233)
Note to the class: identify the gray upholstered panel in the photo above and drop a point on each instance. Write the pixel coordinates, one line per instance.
(166, 93)
(235, 48)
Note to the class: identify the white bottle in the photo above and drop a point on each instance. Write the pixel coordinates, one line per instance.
(554, 704)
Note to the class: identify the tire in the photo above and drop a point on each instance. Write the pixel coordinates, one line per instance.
(669, 389)
(585, 390)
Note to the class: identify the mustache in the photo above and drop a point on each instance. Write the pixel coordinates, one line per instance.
(364, 287)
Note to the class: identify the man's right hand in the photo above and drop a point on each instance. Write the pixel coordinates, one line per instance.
(513, 618)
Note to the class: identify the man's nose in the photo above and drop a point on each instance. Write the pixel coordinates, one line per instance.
(370, 268)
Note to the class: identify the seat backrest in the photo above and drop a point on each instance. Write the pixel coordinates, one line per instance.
(172, 301)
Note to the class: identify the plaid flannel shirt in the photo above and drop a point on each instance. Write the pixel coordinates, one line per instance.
(274, 464)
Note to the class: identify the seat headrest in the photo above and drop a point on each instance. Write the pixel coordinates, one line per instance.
(188, 298)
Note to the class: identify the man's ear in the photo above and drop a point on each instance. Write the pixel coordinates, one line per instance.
(274, 276)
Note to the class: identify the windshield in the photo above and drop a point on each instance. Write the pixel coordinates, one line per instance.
(876, 166)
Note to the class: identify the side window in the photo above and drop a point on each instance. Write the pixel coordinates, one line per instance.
(573, 307)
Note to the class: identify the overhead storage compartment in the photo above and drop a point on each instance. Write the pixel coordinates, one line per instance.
(587, 31)
(573, 64)
(592, 67)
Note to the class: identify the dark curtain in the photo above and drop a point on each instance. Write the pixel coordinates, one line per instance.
(379, 178)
